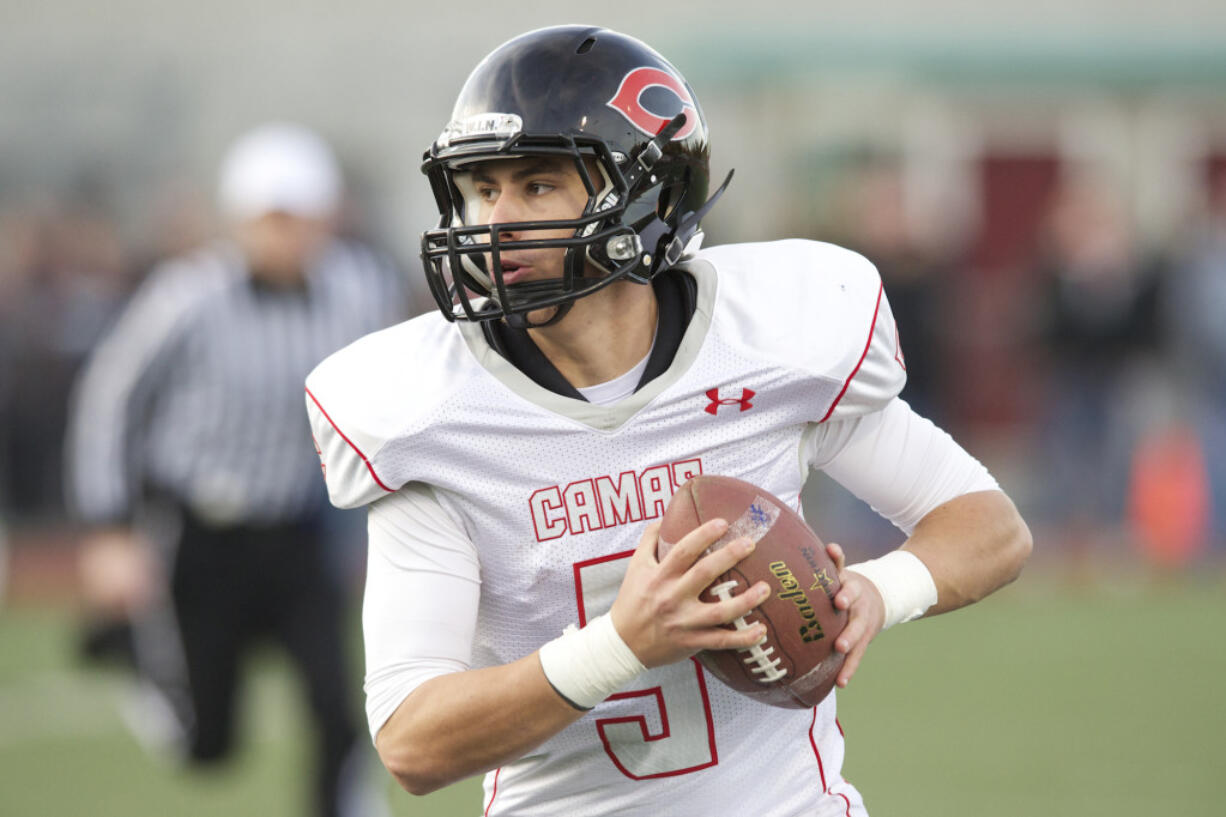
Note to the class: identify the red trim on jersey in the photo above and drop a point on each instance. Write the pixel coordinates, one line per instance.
(494, 793)
(356, 450)
(821, 769)
(872, 328)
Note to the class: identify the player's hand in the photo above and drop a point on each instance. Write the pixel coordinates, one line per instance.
(658, 612)
(865, 615)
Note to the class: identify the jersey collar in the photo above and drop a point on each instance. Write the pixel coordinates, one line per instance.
(676, 294)
(686, 299)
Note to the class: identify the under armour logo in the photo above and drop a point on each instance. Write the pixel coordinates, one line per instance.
(717, 401)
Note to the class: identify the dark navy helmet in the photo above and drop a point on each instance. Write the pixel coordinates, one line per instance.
(638, 139)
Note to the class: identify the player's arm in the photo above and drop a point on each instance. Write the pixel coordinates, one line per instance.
(972, 545)
(110, 402)
(435, 720)
(966, 539)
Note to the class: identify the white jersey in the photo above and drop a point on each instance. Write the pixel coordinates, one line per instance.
(553, 494)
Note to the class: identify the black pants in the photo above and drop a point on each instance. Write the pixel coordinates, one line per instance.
(233, 585)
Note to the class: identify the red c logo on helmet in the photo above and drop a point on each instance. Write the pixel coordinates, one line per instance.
(627, 101)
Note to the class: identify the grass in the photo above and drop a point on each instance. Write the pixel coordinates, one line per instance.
(1043, 700)
(1091, 702)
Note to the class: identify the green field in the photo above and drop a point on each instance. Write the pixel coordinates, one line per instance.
(1045, 700)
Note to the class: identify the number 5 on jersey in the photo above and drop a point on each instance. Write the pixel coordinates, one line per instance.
(666, 727)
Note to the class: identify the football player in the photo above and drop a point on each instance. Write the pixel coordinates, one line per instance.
(517, 450)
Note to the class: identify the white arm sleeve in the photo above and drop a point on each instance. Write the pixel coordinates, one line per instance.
(897, 461)
(419, 614)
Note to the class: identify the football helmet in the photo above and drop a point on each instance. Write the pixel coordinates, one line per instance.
(637, 137)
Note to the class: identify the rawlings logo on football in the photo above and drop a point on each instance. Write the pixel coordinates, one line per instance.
(811, 629)
(628, 101)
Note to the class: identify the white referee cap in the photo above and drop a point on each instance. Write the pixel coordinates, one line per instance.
(279, 167)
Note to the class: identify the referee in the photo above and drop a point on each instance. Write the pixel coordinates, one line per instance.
(191, 458)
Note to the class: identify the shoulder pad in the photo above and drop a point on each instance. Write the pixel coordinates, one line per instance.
(818, 308)
(372, 395)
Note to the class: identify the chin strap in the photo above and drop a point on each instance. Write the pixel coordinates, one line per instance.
(519, 320)
(689, 223)
(645, 158)
(667, 254)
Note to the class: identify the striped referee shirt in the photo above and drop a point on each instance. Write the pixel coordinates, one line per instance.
(196, 391)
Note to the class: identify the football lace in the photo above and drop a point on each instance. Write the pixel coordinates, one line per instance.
(762, 664)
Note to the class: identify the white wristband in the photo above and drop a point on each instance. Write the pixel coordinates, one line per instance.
(904, 583)
(587, 665)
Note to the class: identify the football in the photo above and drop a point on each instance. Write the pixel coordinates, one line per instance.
(796, 665)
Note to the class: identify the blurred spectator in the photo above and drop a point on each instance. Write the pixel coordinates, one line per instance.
(1097, 316)
(1168, 496)
(1195, 324)
(182, 219)
(915, 275)
(64, 273)
(191, 455)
